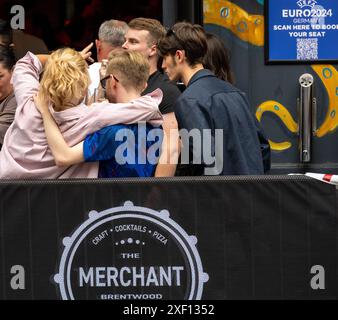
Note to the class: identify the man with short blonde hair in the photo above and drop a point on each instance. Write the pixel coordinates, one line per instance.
(131, 68)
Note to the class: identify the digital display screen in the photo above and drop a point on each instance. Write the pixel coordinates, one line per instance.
(301, 31)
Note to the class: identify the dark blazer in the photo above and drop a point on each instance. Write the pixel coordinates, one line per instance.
(210, 103)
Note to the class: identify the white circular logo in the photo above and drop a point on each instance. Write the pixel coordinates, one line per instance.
(132, 253)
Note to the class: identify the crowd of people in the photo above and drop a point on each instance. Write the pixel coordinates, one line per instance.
(65, 116)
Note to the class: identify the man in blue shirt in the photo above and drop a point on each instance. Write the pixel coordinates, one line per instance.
(135, 156)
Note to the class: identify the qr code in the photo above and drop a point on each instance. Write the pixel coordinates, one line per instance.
(307, 49)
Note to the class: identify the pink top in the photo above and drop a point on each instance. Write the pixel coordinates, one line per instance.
(25, 153)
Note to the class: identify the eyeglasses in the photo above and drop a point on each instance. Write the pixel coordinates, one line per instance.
(103, 81)
(172, 32)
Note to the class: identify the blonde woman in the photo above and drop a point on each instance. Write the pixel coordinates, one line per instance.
(25, 153)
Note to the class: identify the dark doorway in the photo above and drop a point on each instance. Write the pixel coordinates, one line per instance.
(76, 22)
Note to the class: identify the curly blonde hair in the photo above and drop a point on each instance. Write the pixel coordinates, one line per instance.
(65, 79)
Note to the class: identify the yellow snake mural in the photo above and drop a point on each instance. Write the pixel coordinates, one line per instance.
(282, 113)
(247, 27)
(250, 28)
(329, 76)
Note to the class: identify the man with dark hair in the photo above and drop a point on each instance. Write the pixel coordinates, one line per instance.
(211, 106)
(142, 36)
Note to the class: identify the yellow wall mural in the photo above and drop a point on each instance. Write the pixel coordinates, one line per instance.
(284, 115)
(329, 76)
(250, 28)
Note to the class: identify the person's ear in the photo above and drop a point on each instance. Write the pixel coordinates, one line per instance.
(180, 55)
(97, 44)
(153, 50)
(113, 82)
(145, 86)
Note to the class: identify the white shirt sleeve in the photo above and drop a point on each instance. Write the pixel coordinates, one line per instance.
(94, 75)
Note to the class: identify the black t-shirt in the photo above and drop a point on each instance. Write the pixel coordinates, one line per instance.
(170, 91)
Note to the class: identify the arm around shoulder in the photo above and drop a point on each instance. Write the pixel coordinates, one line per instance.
(63, 154)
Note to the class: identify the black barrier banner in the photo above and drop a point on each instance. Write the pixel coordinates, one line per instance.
(272, 237)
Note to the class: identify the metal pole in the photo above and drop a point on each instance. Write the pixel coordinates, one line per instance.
(306, 116)
(169, 9)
